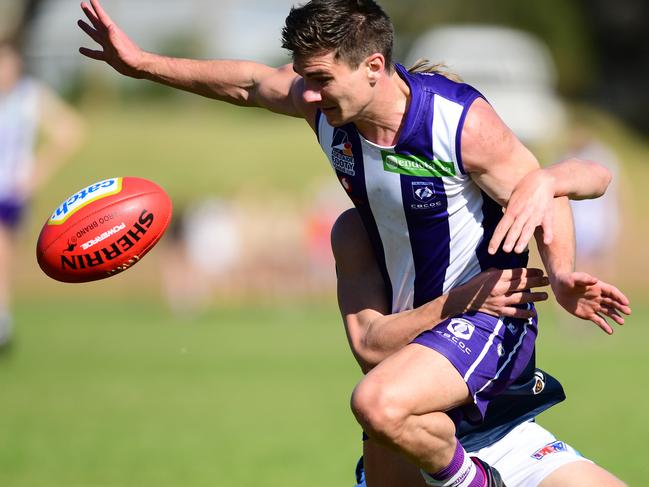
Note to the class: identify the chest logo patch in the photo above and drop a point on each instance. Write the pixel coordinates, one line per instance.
(342, 156)
(423, 191)
(411, 165)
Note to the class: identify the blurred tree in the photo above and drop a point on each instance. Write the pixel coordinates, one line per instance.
(621, 44)
(559, 23)
(601, 48)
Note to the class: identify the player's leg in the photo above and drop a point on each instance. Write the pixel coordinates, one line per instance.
(387, 468)
(530, 456)
(581, 474)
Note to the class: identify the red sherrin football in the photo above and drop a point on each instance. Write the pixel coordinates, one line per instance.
(103, 229)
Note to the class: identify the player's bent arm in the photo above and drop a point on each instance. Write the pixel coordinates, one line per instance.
(374, 334)
(578, 179)
(497, 162)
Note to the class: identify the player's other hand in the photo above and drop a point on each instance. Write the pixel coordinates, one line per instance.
(116, 48)
(500, 292)
(591, 299)
(530, 205)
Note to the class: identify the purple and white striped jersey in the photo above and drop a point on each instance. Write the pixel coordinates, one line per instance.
(429, 223)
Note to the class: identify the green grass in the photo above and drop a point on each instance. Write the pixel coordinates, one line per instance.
(101, 389)
(107, 392)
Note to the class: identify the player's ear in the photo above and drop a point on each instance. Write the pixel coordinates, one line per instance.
(374, 65)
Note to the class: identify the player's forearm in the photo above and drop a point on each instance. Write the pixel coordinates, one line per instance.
(579, 179)
(387, 334)
(225, 80)
(559, 256)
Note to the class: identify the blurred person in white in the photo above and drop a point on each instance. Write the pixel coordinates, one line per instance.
(597, 221)
(205, 248)
(38, 132)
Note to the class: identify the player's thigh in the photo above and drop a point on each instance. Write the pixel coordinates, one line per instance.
(581, 474)
(386, 468)
(417, 379)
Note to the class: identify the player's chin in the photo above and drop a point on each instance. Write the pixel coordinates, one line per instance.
(335, 118)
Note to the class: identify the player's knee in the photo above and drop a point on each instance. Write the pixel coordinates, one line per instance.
(379, 412)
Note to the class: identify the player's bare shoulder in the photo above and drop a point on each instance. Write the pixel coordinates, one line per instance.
(484, 137)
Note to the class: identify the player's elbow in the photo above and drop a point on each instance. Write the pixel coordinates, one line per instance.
(604, 178)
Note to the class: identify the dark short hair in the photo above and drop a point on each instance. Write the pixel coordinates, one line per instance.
(353, 29)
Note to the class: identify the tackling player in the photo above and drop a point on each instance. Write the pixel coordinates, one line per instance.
(523, 452)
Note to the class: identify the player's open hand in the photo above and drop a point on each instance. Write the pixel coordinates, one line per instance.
(501, 292)
(117, 49)
(530, 205)
(591, 299)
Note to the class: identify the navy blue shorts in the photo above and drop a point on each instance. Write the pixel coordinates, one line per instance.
(489, 352)
(11, 212)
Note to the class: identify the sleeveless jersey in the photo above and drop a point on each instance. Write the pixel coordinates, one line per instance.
(18, 131)
(429, 223)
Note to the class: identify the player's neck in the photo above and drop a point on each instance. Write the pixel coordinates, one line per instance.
(382, 120)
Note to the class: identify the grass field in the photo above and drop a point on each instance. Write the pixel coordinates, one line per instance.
(104, 388)
(117, 393)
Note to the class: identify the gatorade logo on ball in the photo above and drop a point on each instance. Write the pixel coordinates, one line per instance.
(80, 199)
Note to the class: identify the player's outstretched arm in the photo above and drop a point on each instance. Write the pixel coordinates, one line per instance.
(241, 83)
(374, 333)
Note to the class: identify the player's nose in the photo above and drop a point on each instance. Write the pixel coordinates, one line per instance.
(310, 95)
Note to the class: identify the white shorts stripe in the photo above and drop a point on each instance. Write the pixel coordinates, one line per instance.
(484, 351)
(509, 359)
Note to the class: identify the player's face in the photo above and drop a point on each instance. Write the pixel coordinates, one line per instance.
(341, 92)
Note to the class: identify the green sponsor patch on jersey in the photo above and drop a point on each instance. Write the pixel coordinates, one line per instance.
(416, 165)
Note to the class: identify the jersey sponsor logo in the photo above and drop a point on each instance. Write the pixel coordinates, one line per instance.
(342, 156)
(554, 447)
(74, 203)
(416, 165)
(461, 328)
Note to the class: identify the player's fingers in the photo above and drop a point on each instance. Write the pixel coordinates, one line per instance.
(511, 312)
(90, 31)
(528, 283)
(101, 13)
(613, 303)
(93, 54)
(500, 232)
(613, 292)
(525, 297)
(613, 314)
(92, 17)
(515, 232)
(601, 322)
(526, 235)
(548, 227)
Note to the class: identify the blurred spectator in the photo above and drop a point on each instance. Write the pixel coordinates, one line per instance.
(597, 221)
(203, 250)
(38, 132)
(328, 203)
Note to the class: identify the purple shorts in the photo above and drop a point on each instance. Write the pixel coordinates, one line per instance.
(11, 212)
(489, 352)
